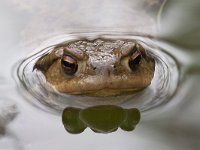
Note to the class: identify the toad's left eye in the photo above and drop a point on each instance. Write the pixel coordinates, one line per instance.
(69, 65)
(134, 60)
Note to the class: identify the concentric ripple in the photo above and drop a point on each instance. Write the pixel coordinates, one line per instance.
(43, 95)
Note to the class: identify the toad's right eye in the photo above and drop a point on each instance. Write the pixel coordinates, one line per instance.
(69, 65)
(134, 60)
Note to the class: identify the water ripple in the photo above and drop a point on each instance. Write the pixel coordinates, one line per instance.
(38, 92)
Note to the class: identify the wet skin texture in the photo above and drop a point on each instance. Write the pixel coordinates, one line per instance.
(100, 67)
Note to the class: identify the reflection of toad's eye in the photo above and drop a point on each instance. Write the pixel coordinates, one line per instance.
(134, 60)
(69, 65)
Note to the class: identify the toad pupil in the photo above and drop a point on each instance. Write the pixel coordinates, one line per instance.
(134, 60)
(69, 65)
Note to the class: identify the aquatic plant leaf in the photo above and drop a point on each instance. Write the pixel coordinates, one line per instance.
(71, 121)
(132, 119)
(103, 119)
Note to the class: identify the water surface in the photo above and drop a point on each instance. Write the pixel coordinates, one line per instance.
(27, 26)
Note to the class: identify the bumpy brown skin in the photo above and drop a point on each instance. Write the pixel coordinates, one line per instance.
(103, 68)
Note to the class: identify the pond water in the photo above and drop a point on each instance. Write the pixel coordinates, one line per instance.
(169, 107)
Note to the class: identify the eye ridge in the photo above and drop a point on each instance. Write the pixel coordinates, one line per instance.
(69, 64)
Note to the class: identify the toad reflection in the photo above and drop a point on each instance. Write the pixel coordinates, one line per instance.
(98, 68)
(100, 119)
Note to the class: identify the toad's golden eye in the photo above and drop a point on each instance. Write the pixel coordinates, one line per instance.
(134, 60)
(69, 65)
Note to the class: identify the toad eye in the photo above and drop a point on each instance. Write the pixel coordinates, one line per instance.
(69, 65)
(134, 60)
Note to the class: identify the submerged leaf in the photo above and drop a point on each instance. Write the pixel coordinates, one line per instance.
(103, 118)
(71, 121)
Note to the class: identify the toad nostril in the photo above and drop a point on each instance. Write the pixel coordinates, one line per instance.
(114, 66)
(94, 68)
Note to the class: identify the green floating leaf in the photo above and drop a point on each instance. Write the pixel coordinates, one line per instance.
(103, 119)
(131, 120)
(104, 132)
(71, 121)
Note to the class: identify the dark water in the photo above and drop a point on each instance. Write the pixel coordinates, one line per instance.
(169, 107)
